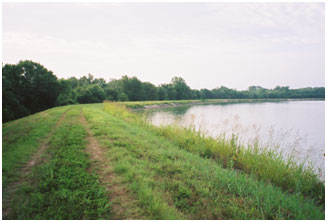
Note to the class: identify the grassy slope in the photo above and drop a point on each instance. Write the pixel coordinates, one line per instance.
(168, 182)
(196, 187)
(262, 163)
(62, 188)
(22, 137)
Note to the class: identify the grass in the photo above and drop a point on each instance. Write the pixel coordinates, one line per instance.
(62, 188)
(21, 138)
(264, 164)
(169, 177)
(142, 104)
(169, 165)
(146, 104)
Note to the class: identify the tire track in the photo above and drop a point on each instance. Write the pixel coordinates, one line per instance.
(35, 159)
(123, 205)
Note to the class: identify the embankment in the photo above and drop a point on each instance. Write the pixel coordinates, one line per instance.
(145, 172)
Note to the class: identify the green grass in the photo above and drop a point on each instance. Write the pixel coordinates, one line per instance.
(264, 164)
(144, 104)
(171, 173)
(22, 137)
(62, 188)
(197, 187)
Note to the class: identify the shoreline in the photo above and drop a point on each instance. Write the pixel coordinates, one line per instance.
(141, 105)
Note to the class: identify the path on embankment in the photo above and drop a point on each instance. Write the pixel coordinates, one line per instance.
(25, 169)
(80, 162)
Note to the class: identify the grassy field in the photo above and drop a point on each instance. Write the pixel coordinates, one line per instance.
(103, 162)
(20, 139)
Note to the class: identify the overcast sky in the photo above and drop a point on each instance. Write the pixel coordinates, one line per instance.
(207, 44)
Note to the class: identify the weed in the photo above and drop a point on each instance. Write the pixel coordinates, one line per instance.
(21, 138)
(62, 188)
(265, 164)
(152, 164)
(171, 172)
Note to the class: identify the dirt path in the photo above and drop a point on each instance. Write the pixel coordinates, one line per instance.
(35, 159)
(123, 205)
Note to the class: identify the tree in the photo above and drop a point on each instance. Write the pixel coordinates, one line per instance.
(206, 94)
(133, 88)
(31, 87)
(73, 82)
(12, 94)
(83, 81)
(162, 93)
(122, 97)
(170, 91)
(100, 82)
(90, 78)
(90, 94)
(28, 87)
(150, 91)
(183, 91)
(195, 94)
(67, 95)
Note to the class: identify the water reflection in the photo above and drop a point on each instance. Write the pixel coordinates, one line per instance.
(292, 127)
(175, 111)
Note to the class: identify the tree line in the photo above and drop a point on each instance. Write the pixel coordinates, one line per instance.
(29, 87)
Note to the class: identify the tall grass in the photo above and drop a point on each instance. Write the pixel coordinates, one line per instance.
(143, 104)
(158, 171)
(146, 104)
(265, 164)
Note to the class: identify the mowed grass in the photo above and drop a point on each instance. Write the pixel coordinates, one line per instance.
(174, 183)
(22, 137)
(62, 187)
(167, 180)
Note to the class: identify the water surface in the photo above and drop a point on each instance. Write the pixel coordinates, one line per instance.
(295, 128)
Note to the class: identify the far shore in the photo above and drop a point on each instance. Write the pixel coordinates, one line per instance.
(136, 105)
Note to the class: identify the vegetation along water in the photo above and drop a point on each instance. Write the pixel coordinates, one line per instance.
(102, 161)
(294, 127)
(29, 87)
(169, 111)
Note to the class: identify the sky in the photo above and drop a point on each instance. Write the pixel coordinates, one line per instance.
(207, 44)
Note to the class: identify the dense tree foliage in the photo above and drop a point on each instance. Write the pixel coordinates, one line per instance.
(28, 87)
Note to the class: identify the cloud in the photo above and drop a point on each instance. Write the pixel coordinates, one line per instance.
(277, 22)
(206, 43)
(48, 44)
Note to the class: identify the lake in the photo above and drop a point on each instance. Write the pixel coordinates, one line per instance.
(294, 128)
